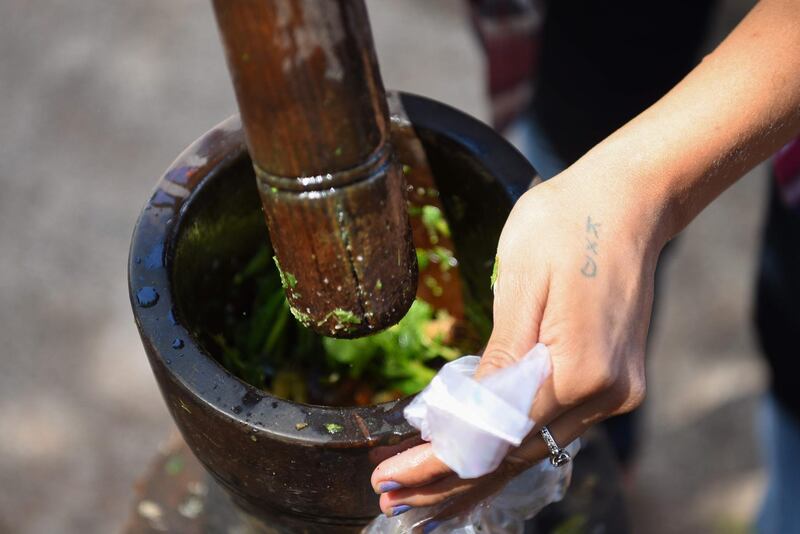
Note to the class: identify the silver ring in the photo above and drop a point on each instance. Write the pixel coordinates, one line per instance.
(558, 456)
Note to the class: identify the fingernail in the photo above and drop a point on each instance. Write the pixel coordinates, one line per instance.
(430, 526)
(399, 509)
(389, 486)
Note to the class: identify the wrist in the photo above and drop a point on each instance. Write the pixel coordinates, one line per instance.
(614, 181)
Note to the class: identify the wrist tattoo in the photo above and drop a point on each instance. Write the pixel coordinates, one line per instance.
(589, 268)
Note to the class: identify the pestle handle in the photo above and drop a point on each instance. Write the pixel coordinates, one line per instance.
(316, 122)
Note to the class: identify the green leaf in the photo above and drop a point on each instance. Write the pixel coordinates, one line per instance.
(255, 266)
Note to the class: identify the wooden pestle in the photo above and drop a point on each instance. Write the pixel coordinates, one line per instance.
(315, 117)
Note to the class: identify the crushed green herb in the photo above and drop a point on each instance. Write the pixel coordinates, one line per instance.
(264, 345)
(443, 257)
(434, 222)
(333, 428)
(288, 281)
(423, 259)
(398, 354)
(433, 284)
(495, 272)
(342, 317)
(304, 318)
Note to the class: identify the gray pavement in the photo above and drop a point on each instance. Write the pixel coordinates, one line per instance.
(97, 97)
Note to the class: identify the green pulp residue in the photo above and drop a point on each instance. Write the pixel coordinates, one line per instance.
(398, 354)
(333, 428)
(433, 284)
(270, 350)
(433, 220)
(263, 344)
(495, 272)
(288, 281)
(439, 255)
(304, 318)
(342, 318)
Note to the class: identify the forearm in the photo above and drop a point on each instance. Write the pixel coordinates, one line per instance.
(738, 106)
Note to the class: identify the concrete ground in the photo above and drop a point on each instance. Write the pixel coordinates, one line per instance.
(98, 96)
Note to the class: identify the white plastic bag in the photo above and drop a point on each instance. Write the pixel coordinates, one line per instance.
(471, 426)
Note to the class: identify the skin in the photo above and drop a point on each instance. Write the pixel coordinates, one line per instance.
(578, 253)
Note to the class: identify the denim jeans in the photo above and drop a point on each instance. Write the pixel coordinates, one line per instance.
(780, 441)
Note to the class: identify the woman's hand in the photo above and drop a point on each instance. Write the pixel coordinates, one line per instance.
(578, 253)
(577, 275)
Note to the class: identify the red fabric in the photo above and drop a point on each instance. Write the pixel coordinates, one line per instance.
(509, 32)
(787, 172)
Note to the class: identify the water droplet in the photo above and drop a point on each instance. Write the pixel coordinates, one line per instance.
(147, 297)
(171, 317)
(237, 409)
(177, 343)
(155, 258)
(138, 260)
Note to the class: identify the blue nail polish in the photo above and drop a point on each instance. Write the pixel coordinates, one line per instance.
(399, 509)
(389, 486)
(430, 526)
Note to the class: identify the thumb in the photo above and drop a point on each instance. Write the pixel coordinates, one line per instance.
(518, 308)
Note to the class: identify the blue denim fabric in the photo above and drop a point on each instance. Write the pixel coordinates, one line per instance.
(780, 433)
(526, 135)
